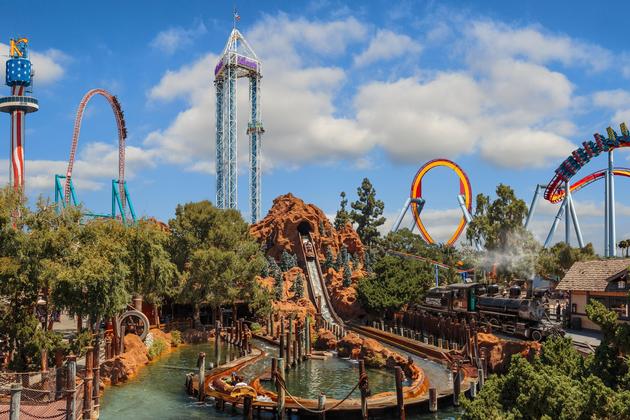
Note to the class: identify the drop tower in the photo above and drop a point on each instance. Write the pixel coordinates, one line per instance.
(19, 77)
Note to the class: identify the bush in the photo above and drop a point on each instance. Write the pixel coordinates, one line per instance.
(176, 338)
(157, 348)
(255, 327)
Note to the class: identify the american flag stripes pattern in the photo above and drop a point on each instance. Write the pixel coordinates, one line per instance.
(17, 142)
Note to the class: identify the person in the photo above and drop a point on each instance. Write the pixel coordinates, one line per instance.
(558, 310)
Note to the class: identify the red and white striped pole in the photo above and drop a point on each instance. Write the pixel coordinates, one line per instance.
(17, 142)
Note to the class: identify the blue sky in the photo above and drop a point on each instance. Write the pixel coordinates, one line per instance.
(350, 90)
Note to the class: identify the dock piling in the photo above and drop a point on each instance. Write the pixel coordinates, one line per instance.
(399, 393)
(16, 396)
(321, 405)
(87, 383)
(201, 364)
(280, 389)
(364, 390)
(457, 383)
(71, 381)
(433, 403)
(248, 413)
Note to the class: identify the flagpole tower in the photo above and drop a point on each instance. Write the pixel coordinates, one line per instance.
(238, 60)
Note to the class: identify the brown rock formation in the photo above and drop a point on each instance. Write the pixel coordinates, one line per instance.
(325, 340)
(126, 365)
(279, 231)
(500, 351)
(375, 354)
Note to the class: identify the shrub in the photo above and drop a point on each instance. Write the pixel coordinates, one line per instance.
(255, 327)
(157, 348)
(176, 338)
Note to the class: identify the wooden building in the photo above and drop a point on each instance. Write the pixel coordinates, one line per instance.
(602, 280)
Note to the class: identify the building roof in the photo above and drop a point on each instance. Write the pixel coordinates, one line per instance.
(594, 275)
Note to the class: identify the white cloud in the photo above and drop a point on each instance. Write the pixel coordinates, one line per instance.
(174, 39)
(387, 45)
(616, 98)
(493, 39)
(524, 147)
(48, 65)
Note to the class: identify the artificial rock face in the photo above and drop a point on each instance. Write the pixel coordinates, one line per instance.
(280, 231)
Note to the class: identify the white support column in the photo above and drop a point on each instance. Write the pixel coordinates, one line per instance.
(612, 234)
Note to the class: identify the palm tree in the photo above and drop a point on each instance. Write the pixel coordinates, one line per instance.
(624, 244)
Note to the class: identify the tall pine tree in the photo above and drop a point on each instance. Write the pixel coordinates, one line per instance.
(367, 213)
(279, 290)
(342, 217)
(298, 286)
(347, 274)
(329, 261)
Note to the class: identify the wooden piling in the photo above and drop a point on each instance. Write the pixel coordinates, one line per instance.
(321, 405)
(400, 403)
(16, 397)
(122, 339)
(482, 378)
(87, 383)
(201, 364)
(364, 392)
(457, 383)
(59, 374)
(217, 338)
(287, 351)
(433, 402)
(248, 413)
(96, 392)
(473, 389)
(289, 344)
(281, 349)
(274, 367)
(295, 354)
(280, 390)
(307, 337)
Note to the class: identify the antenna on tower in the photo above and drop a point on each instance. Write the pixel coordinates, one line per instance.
(235, 16)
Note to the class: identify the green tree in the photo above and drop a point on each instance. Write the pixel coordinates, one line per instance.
(367, 213)
(347, 274)
(499, 224)
(152, 274)
(394, 283)
(298, 286)
(95, 282)
(216, 255)
(279, 285)
(287, 261)
(329, 261)
(342, 217)
(554, 262)
(273, 266)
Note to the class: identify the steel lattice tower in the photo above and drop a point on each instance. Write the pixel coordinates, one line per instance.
(237, 61)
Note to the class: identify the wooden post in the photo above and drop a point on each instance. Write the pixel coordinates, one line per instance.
(295, 354)
(433, 406)
(122, 339)
(217, 343)
(281, 349)
(248, 413)
(59, 374)
(484, 365)
(115, 345)
(364, 392)
(399, 393)
(271, 328)
(457, 383)
(290, 359)
(307, 337)
(321, 405)
(300, 346)
(274, 367)
(481, 377)
(96, 374)
(287, 351)
(71, 387)
(87, 383)
(281, 352)
(473, 389)
(201, 364)
(280, 390)
(16, 396)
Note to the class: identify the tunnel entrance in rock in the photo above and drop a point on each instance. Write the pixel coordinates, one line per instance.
(304, 228)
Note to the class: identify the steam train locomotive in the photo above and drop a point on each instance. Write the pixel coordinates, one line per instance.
(513, 313)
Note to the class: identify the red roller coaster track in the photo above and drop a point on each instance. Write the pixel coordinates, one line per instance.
(122, 135)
